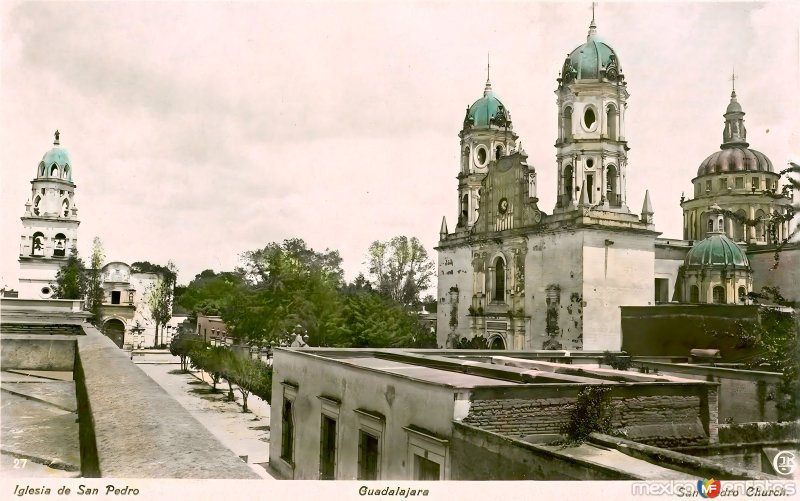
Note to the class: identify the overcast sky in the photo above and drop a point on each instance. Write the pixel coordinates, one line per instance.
(198, 131)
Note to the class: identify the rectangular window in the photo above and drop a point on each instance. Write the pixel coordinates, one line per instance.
(287, 431)
(723, 183)
(708, 186)
(662, 290)
(756, 184)
(739, 183)
(327, 449)
(427, 455)
(368, 453)
(115, 297)
(371, 426)
(425, 469)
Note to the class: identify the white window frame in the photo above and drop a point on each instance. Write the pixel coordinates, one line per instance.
(428, 446)
(290, 394)
(372, 424)
(331, 408)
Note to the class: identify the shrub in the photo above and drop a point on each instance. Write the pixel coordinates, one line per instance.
(589, 414)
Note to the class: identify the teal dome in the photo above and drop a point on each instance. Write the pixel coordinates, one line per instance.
(716, 251)
(592, 60)
(487, 111)
(58, 156)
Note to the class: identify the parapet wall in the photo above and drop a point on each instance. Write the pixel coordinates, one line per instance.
(653, 413)
(129, 426)
(120, 404)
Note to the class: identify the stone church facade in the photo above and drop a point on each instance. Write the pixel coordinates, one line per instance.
(522, 279)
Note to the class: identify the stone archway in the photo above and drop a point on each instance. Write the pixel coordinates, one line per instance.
(115, 330)
(497, 343)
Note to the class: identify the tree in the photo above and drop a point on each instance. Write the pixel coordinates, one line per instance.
(95, 294)
(285, 285)
(208, 292)
(400, 269)
(248, 375)
(375, 321)
(71, 279)
(160, 299)
(183, 345)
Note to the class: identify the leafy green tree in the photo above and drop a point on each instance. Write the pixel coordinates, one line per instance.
(94, 293)
(183, 345)
(248, 375)
(285, 285)
(208, 292)
(160, 298)
(374, 321)
(71, 279)
(400, 268)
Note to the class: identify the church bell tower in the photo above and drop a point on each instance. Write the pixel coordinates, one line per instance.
(591, 149)
(49, 224)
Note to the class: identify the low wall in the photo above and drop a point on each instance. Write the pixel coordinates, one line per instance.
(692, 465)
(36, 352)
(744, 395)
(120, 436)
(484, 455)
(664, 414)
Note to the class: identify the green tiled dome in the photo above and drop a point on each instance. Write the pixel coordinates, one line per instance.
(588, 59)
(57, 155)
(716, 251)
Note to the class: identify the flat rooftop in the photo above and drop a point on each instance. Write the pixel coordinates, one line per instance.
(430, 374)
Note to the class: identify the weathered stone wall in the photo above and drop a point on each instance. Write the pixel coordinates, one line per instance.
(37, 352)
(664, 420)
(131, 428)
(478, 454)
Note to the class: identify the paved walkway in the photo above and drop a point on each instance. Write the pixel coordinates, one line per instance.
(246, 434)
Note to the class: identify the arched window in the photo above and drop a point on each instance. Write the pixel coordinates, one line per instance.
(611, 186)
(567, 123)
(466, 159)
(65, 207)
(760, 233)
(611, 122)
(742, 293)
(37, 244)
(694, 294)
(738, 226)
(499, 279)
(464, 208)
(720, 224)
(718, 294)
(65, 174)
(36, 202)
(568, 190)
(710, 225)
(498, 152)
(41, 169)
(60, 245)
(54, 170)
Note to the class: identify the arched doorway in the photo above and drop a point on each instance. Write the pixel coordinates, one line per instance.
(497, 343)
(115, 330)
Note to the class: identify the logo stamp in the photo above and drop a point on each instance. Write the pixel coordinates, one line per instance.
(784, 462)
(708, 487)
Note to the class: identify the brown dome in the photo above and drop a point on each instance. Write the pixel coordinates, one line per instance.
(735, 159)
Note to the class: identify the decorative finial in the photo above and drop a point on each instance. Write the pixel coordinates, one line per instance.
(488, 66)
(733, 82)
(57, 135)
(488, 89)
(592, 26)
